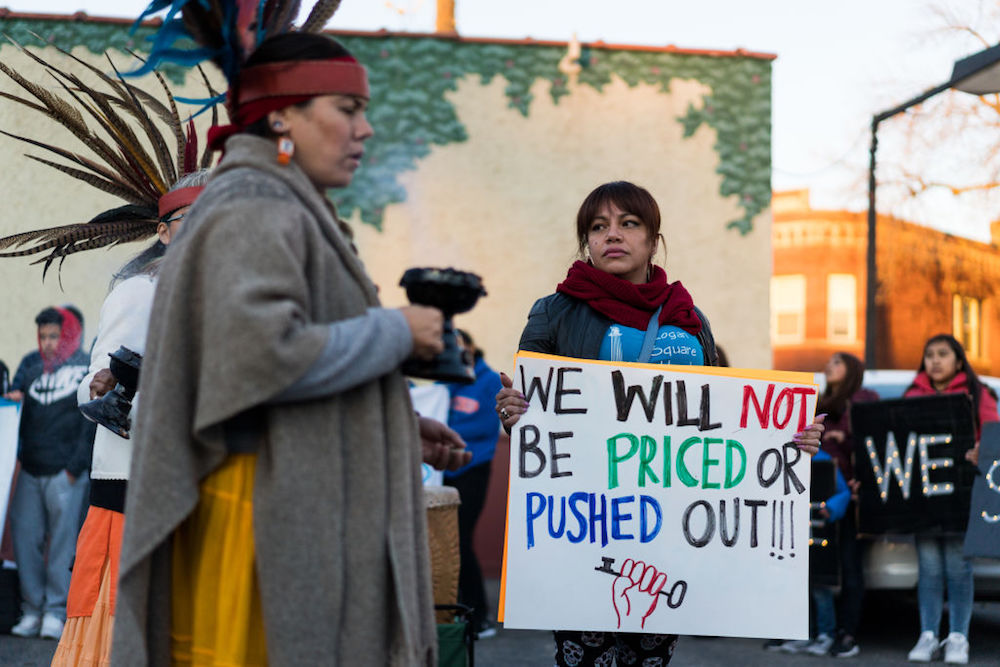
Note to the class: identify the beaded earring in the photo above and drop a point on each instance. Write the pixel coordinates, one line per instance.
(286, 148)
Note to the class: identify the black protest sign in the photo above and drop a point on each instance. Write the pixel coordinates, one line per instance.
(910, 461)
(824, 564)
(983, 536)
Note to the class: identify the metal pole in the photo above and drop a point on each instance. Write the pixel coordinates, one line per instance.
(871, 284)
(871, 287)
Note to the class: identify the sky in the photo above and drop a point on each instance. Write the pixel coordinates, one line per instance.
(838, 64)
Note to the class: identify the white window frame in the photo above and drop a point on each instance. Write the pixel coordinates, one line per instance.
(842, 298)
(788, 297)
(973, 342)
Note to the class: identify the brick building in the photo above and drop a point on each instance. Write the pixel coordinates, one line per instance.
(929, 282)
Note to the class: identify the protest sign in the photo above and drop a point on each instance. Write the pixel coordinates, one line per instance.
(910, 460)
(662, 499)
(10, 419)
(431, 400)
(982, 538)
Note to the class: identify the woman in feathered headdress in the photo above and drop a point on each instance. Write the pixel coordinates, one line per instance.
(276, 511)
(158, 187)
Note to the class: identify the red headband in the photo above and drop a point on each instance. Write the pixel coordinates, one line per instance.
(274, 86)
(179, 198)
(302, 77)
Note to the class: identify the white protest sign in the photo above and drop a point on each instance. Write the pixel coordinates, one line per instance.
(10, 419)
(431, 400)
(661, 499)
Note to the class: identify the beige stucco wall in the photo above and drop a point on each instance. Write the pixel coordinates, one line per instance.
(35, 196)
(503, 204)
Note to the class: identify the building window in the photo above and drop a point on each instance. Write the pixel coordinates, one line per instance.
(967, 323)
(841, 308)
(788, 309)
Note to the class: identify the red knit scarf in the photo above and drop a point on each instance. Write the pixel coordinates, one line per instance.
(629, 304)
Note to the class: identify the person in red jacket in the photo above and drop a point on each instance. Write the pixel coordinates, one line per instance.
(946, 370)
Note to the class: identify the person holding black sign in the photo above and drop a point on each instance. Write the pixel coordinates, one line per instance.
(946, 370)
(618, 306)
(844, 376)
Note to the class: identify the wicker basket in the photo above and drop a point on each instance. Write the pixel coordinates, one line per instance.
(442, 533)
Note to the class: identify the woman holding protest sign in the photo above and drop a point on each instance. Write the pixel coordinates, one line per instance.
(844, 375)
(618, 306)
(946, 370)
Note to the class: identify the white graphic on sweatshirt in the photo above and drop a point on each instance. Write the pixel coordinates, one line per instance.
(615, 334)
(52, 387)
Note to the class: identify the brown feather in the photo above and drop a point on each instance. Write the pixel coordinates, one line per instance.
(321, 13)
(62, 252)
(278, 16)
(119, 130)
(82, 132)
(73, 157)
(57, 108)
(103, 184)
(168, 168)
(126, 93)
(208, 154)
(28, 103)
(176, 126)
(71, 236)
(82, 161)
(132, 155)
(134, 161)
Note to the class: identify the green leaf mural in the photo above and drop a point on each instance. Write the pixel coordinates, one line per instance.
(410, 76)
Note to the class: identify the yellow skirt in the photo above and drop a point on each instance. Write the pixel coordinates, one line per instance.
(216, 612)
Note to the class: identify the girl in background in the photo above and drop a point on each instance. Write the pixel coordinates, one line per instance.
(844, 375)
(946, 370)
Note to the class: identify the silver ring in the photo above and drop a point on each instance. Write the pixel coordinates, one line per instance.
(504, 414)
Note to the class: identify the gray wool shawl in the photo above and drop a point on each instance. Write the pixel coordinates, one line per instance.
(244, 296)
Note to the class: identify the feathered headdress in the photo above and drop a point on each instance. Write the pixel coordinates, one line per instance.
(225, 31)
(228, 31)
(111, 121)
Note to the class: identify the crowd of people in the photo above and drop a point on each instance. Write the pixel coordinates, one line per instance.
(231, 454)
(944, 572)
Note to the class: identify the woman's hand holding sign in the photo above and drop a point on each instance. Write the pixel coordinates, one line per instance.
(510, 403)
(808, 439)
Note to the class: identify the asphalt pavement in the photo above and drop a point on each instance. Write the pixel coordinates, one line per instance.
(889, 629)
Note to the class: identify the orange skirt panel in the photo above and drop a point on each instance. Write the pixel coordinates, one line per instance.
(99, 544)
(86, 640)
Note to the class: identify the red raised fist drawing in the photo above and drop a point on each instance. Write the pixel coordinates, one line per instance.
(638, 583)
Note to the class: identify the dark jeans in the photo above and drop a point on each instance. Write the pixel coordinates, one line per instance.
(852, 591)
(471, 486)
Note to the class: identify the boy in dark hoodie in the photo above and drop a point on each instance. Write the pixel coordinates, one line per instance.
(54, 443)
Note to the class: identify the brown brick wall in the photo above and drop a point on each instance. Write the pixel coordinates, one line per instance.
(920, 269)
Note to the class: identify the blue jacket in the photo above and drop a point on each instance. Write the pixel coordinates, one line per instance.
(472, 414)
(837, 503)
